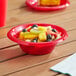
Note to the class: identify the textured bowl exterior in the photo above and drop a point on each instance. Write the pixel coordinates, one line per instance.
(38, 50)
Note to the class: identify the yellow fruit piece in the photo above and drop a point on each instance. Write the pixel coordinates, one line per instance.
(43, 29)
(30, 36)
(33, 31)
(42, 36)
(21, 36)
(50, 2)
(39, 40)
(26, 33)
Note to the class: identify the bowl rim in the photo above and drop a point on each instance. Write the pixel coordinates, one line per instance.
(10, 36)
(34, 5)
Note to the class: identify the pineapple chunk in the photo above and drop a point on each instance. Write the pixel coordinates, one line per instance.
(42, 36)
(21, 36)
(33, 31)
(49, 2)
(43, 29)
(30, 36)
(39, 40)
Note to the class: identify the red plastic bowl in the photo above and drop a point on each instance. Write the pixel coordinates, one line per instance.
(36, 48)
(34, 4)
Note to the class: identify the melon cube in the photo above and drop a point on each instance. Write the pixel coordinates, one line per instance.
(43, 29)
(42, 36)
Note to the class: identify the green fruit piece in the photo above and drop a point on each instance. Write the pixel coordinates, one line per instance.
(48, 40)
(35, 31)
(58, 36)
(24, 30)
(35, 40)
(49, 36)
(34, 26)
(49, 28)
(54, 30)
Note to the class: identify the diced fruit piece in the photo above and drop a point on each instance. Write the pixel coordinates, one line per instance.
(28, 40)
(42, 36)
(35, 31)
(58, 36)
(41, 28)
(26, 33)
(34, 26)
(53, 37)
(49, 36)
(39, 34)
(49, 28)
(54, 30)
(35, 40)
(49, 40)
(28, 28)
(39, 40)
(49, 2)
(24, 30)
(30, 36)
(21, 36)
(50, 32)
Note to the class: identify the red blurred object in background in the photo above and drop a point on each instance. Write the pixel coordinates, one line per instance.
(3, 8)
(35, 5)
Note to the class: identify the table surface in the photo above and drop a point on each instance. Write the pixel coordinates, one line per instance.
(14, 62)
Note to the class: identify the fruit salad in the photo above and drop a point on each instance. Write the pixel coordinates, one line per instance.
(39, 33)
(49, 2)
